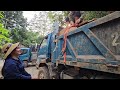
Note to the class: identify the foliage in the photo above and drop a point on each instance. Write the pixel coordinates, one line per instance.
(95, 14)
(16, 23)
(4, 33)
(57, 16)
(14, 19)
(1, 16)
(41, 23)
(88, 15)
(32, 38)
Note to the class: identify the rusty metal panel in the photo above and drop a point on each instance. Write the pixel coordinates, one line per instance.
(109, 35)
(84, 42)
(93, 66)
(83, 45)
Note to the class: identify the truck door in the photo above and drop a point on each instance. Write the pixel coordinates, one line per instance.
(43, 48)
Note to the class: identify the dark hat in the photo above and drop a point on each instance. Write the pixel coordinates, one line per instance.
(77, 14)
(67, 19)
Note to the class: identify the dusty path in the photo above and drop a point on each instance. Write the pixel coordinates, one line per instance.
(33, 71)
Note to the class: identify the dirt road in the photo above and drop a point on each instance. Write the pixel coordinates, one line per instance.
(33, 71)
(30, 69)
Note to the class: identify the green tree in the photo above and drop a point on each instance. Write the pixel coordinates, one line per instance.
(88, 15)
(13, 19)
(95, 14)
(4, 33)
(16, 23)
(32, 38)
(58, 16)
(41, 23)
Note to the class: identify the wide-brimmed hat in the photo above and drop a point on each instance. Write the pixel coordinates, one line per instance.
(8, 48)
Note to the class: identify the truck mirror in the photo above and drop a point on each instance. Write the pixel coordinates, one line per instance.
(46, 37)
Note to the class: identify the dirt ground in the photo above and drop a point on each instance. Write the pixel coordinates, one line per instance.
(33, 71)
(30, 69)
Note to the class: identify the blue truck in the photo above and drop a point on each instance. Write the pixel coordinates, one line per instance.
(92, 51)
(28, 56)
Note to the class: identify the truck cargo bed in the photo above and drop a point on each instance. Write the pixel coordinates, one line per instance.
(95, 45)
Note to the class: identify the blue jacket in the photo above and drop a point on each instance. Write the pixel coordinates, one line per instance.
(14, 69)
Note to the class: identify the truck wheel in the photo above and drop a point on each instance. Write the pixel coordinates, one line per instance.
(43, 73)
(25, 63)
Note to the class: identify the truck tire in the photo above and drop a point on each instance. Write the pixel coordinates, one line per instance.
(25, 63)
(43, 73)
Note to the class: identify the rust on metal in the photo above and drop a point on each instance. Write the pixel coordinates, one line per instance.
(63, 30)
(99, 67)
(72, 48)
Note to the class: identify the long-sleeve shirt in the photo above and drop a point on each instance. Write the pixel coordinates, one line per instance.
(14, 69)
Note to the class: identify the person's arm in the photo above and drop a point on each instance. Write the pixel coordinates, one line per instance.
(13, 71)
(80, 19)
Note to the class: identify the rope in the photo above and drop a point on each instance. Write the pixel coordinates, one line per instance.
(65, 41)
(65, 37)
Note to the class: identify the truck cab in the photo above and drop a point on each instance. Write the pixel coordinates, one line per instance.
(44, 52)
(25, 56)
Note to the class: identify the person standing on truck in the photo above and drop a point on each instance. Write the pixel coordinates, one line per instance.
(75, 17)
(78, 17)
(13, 67)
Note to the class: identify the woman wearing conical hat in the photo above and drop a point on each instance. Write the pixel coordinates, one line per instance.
(13, 68)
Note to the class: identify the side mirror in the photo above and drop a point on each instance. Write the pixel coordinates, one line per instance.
(46, 37)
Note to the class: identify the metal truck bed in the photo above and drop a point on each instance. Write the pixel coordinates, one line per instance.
(95, 45)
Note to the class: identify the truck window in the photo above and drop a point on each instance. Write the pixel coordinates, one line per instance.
(24, 51)
(44, 43)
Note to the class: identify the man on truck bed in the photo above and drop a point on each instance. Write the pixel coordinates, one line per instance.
(75, 17)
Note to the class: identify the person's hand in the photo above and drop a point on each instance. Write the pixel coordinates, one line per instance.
(80, 20)
(77, 21)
